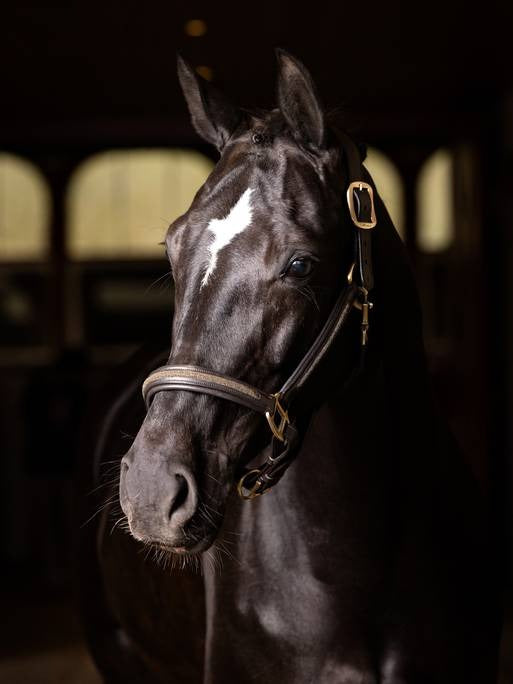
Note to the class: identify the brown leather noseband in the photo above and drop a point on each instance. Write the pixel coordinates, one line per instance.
(285, 436)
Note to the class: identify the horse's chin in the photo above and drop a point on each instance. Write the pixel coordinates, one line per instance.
(187, 545)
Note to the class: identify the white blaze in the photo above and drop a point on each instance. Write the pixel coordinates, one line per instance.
(225, 229)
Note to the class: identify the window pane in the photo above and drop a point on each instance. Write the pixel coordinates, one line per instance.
(435, 210)
(389, 184)
(121, 203)
(24, 210)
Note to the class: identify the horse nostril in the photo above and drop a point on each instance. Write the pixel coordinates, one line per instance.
(181, 495)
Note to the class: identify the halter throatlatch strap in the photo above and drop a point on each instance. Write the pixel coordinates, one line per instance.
(285, 441)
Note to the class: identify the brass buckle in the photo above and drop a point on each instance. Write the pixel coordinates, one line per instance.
(361, 185)
(278, 430)
(253, 492)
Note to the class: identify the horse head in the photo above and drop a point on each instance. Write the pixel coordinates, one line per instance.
(258, 261)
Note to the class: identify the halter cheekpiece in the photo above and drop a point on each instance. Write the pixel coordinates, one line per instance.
(275, 407)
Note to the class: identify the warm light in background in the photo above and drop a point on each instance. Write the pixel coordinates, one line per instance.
(25, 205)
(120, 203)
(435, 204)
(205, 71)
(195, 28)
(389, 184)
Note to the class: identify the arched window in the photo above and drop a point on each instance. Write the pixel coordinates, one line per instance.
(435, 207)
(389, 184)
(120, 203)
(25, 206)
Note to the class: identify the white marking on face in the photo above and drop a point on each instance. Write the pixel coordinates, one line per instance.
(225, 229)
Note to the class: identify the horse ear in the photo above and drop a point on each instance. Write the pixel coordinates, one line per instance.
(298, 100)
(213, 116)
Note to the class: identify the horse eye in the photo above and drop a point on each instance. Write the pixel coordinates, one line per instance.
(300, 268)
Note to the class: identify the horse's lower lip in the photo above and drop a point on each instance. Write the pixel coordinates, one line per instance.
(196, 548)
(169, 547)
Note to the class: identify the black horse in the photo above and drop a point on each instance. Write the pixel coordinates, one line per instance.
(367, 560)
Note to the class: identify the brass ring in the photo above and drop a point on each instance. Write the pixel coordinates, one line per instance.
(253, 491)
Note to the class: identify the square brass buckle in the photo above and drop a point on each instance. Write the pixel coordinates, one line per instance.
(360, 186)
(278, 430)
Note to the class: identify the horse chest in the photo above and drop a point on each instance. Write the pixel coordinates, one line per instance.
(275, 594)
(295, 610)
(286, 627)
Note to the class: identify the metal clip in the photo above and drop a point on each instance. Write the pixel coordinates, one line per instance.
(365, 323)
(278, 430)
(365, 307)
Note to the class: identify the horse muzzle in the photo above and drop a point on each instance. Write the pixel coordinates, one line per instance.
(158, 499)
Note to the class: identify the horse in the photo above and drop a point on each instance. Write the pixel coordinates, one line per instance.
(290, 436)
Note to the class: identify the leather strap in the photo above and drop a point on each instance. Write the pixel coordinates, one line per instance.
(322, 343)
(364, 259)
(257, 481)
(194, 379)
(364, 210)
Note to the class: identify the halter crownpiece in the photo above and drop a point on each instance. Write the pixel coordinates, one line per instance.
(275, 407)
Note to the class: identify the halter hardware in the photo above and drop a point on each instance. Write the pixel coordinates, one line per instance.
(352, 193)
(362, 305)
(278, 430)
(248, 493)
(365, 306)
(286, 438)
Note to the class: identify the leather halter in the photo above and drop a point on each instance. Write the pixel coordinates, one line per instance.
(286, 441)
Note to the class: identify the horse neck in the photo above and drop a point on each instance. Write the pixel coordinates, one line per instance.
(408, 398)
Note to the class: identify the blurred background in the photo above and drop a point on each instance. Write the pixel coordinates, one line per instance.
(97, 157)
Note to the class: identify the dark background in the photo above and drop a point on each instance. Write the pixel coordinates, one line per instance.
(82, 78)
